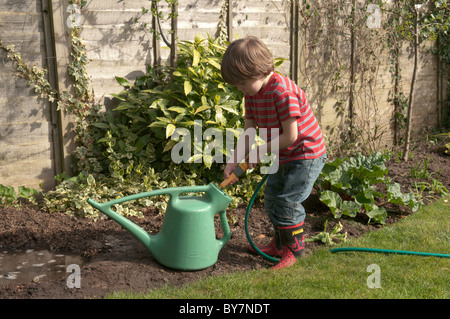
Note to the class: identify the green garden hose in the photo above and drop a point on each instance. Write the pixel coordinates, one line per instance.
(388, 251)
(261, 183)
(334, 250)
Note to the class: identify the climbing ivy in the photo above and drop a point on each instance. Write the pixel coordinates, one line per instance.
(340, 61)
(35, 76)
(415, 22)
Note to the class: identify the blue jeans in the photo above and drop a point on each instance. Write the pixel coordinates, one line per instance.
(290, 186)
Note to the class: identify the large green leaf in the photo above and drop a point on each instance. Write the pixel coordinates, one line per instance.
(350, 208)
(395, 196)
(333, 201)
(378, 214)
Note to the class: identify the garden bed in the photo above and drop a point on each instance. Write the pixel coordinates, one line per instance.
(113, 260)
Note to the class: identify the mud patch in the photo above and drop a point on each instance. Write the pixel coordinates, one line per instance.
(27, 266)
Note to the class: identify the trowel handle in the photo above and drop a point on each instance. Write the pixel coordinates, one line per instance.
(238, 171)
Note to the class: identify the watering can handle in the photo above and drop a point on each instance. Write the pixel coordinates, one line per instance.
(226, 229)
(173, 192)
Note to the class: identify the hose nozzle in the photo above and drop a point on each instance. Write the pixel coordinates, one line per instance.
(238, 171)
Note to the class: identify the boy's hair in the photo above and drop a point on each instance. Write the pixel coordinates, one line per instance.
(244, 59)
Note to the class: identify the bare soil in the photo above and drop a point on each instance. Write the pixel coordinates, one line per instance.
(114, 261)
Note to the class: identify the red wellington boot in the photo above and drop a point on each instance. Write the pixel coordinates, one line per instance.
(292, 242)
(272, 249)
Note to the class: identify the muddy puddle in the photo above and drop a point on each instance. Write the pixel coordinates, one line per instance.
(35, 266)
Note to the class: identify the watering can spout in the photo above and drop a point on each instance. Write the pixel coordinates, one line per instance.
(141, 235)
(187, 238)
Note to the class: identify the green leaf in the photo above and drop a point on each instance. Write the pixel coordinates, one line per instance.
(124, 106)
(213, 63)
(196, 58)
(364, 198)
(170, 129)
(188, 123)
(159, 103)
(153, 91)
(158, 124)
(26, 192)
(120, 96)
(163, 119)
(122, 81)
(208, 160)
(394, 194)
(229, 109)
(193, 71)
(178, 109)
(333, 201)
(169, 145)
(187, 87)
(378, 214)
(278, 62)
(350, 208)
(90, 180)
(8, 192)
(194, 158)
(219, 115)
(202, 108)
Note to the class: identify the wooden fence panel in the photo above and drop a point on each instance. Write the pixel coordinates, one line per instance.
(27, 149)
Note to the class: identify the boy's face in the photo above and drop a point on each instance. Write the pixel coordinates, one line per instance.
(252, 86)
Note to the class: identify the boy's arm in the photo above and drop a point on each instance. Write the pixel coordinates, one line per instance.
(242, 148)
(289, 136)
(244, 142)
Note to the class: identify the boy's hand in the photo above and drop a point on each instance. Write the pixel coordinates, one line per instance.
(228, 170)
(234, 176)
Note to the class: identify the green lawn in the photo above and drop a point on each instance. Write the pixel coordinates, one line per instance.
(346, 274)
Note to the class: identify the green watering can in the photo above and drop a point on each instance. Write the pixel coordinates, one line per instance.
(187, 239)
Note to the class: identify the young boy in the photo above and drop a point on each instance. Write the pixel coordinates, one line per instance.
(274, 101)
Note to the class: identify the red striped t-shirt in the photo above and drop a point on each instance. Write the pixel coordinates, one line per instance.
(280, 99)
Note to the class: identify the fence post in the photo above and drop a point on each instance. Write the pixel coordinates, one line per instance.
(294, 39)
(62, 44)
(49, 40)
(230, 21)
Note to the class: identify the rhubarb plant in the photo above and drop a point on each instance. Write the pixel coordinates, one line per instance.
(350, 186)
(8, 196)
(329, 239)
